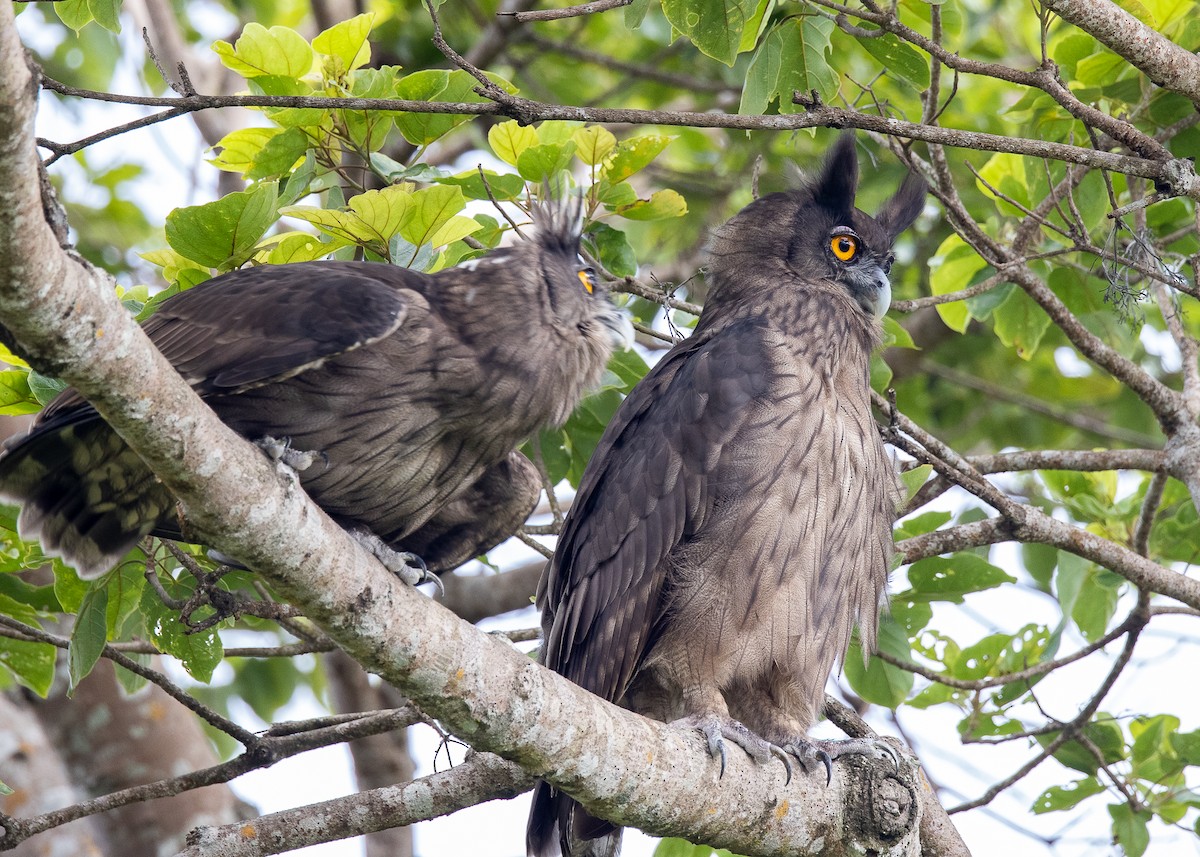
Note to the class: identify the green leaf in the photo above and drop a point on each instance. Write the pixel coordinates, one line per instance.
(32, 664)
(239, 148)
(89, 634)
(1103, 733)
(279, 51)
(509, 139)
(504, 186)
(880, 682)
(374, 218)
(1129, 828)
(266, 684)
(792, 58)
(131, 682)
(593, 143)
(429, 213)
(76, 14)
(898, 58)
(662, 205)
(541, 162)
(5, 789)
(939, 578)
(1058, 798)
(1020, 323)
(951, 269)
(672, 847)
(222, 234)
(895, 336)
(1152, 753)
(1187, 746)
(279, 155)
(1088, 594)
(635, 13)
(921, 524)
(910, 615)
(633, 155)
(15, 395)
(198, 653)
(914, 479)
(421, 129)
(346, 43)
(714, 26)
(628, 368)
(612, 249)
(45, 388)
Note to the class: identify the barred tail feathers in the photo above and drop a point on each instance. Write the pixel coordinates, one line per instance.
(84, 494)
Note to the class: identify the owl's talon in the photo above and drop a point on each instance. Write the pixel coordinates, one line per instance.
(281, 450)
(405, 565)
(716, 729)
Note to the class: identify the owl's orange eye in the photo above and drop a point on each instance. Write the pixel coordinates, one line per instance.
(843, 246)
(585, 277)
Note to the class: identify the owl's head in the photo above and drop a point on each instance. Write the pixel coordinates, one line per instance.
(816, 232)
(543, 271)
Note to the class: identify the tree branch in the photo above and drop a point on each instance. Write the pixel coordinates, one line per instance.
(482, 777)
(1179, 175)
(1163, 61)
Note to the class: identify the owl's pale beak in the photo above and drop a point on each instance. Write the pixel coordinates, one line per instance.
(883, 297)
(619, 328)
(872, 289)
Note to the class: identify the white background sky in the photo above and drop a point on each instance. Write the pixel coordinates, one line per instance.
(1163, 677)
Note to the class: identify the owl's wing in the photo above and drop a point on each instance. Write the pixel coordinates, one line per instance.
(259, 325)
(648, 487)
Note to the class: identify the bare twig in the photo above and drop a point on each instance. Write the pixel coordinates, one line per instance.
(568, 11)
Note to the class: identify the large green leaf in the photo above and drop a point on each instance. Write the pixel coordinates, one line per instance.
(878, 681)
(223, 234)
(714, 26)
(278, 51)
(792, 58)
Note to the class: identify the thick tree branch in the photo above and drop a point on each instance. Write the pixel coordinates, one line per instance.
(66, 317)
(1164, 62)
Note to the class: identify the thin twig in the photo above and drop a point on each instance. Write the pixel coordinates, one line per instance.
(567, 12)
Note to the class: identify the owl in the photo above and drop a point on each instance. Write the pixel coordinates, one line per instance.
(400, 396)
(734, 523)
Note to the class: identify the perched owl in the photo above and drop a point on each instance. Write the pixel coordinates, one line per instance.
(735, 521)
(401, 395)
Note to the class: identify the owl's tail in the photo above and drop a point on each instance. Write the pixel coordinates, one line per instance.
(558, 825)
(84, 494)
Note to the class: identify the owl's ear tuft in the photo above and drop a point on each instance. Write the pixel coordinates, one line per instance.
(902, 209)
(834, 188)
(559, 223)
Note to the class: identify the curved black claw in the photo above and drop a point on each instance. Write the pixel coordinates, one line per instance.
(780, 754)
(824, 757)
(805, 751)
(716, 729)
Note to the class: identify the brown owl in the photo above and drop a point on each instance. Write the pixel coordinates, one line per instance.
(734, 523)
(401, 396)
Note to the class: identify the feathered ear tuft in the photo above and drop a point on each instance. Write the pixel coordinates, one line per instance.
(835, 187)
(559, 223)
(902, 209)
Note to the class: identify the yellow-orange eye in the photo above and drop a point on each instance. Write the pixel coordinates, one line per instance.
(843, 246)
(585, 277)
